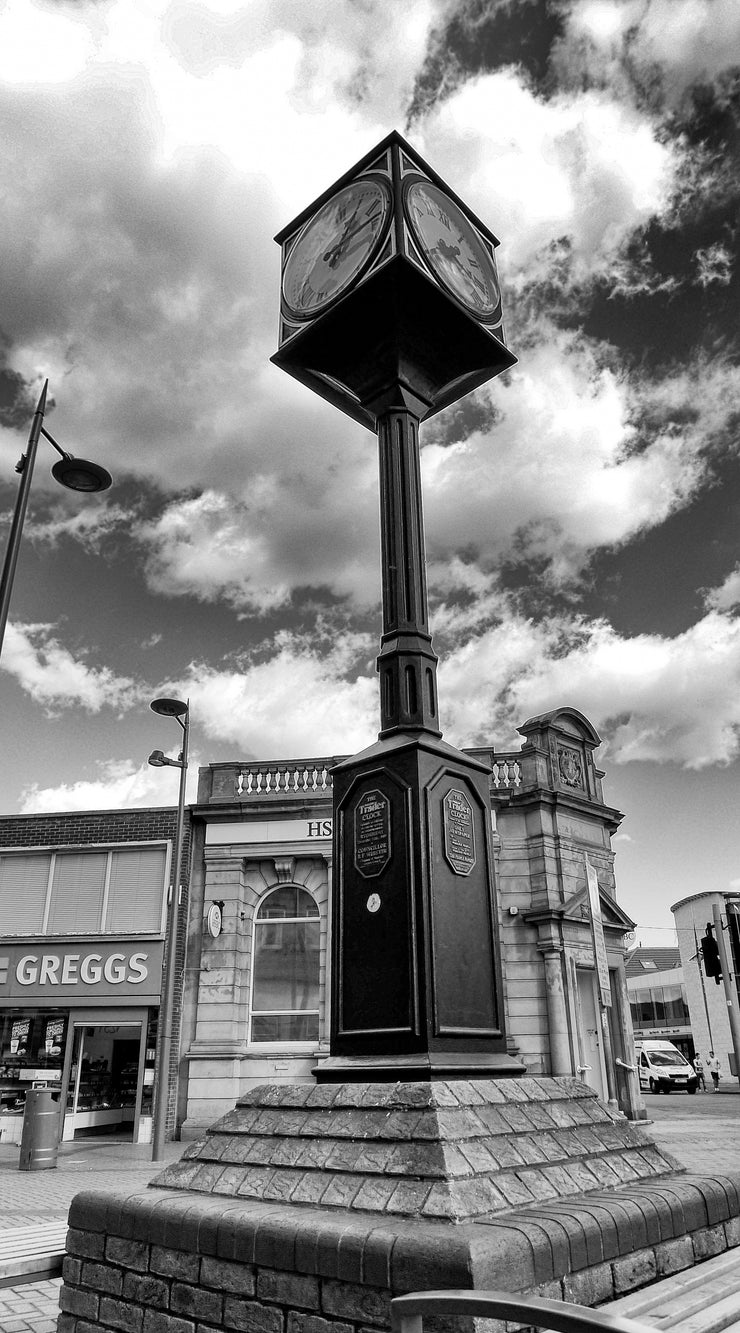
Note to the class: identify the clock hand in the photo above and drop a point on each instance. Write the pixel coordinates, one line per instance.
(335, 252)
(450, 252)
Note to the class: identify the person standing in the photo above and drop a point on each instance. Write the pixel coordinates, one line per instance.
(713, 1067)
(699, 1067)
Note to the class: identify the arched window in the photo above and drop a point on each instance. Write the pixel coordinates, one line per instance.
(285, 967)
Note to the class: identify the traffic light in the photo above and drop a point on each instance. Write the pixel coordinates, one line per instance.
(710, 954)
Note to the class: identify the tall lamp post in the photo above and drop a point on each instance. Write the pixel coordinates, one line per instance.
(77, 474)
(180, 710)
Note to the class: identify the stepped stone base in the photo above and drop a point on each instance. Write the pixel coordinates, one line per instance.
(306, 1208)
(448, 1151)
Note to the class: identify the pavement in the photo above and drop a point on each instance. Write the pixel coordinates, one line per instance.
(27, 1197)
(701, 1131)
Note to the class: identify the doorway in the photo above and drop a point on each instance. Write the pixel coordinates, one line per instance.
(590, 1045)
(106, 1065)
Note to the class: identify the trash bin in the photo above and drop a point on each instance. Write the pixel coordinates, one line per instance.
(40, 1135)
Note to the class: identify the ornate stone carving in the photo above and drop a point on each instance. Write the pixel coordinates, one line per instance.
(570, 767)
(284, 869)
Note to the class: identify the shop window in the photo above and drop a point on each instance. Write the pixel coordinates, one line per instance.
(102, 891)
(31, 1053)
(643, 1008)
(676, 1010)
(285, 968)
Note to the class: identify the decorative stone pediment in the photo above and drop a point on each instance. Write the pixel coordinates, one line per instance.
(568, 740)
(576, 908)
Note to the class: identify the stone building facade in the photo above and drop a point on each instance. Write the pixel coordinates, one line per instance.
(256, 992)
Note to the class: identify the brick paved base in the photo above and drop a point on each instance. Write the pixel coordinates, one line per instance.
(182, 1260)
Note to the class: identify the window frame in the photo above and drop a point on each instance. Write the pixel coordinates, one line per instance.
(108, 848)
(295, 1044)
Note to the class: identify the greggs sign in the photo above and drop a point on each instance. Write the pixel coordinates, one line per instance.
(82, 972)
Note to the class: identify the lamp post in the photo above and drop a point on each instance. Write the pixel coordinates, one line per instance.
(77, 474)
(181, 712)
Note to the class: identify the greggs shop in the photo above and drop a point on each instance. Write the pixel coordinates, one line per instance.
(81, 956)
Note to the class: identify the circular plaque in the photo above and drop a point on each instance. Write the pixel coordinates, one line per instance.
(214, 920)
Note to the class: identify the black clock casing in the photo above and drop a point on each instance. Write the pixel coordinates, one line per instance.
(408, 309)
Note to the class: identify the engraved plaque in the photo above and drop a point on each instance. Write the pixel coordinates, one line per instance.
(459, 841)
(372, 833)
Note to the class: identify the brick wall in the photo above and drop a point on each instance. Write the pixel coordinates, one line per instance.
(67, 829)
(196, 1264)
(152, 1289)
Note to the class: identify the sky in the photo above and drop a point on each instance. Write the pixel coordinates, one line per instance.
(581, 511)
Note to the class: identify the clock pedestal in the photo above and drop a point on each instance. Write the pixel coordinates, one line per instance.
(416, 991)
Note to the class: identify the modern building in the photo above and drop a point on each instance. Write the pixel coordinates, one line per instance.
(82, 925)
(658, 1000)
(255, 1003)
(707, 998)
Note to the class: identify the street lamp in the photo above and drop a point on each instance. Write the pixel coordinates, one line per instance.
(77, 474)
(181, 712)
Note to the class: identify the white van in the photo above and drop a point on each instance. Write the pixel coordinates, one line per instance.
(663, 1068)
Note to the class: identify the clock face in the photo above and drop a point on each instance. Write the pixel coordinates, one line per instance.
(335, 246)
(453, 249)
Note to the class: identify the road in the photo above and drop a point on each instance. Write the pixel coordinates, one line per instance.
(702, 1131)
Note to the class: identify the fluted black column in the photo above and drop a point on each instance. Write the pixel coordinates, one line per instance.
(407, 663)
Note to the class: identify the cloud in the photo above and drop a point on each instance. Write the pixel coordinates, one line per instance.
(148, 284)
(503, 493)
(294, 530)
(120, 785)
(54, 678)
(675, 44)
(583, 165)
(727, 595)
(138, 267)
(714, 264)
(302, 700)
(638, 448)
(653, 698)
(91, 526)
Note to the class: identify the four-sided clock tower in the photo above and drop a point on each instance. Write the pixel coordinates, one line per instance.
(391, 310)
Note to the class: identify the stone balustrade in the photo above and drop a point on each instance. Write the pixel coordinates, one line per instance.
(311, 778)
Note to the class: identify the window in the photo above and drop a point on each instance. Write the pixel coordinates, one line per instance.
(662, 1006)
(108, 891)
(285, 967)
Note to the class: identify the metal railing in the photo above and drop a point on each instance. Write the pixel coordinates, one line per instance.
(407, 1312)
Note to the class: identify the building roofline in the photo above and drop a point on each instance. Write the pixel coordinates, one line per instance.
(98, 810)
